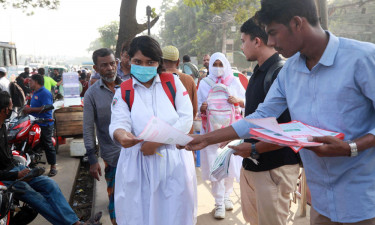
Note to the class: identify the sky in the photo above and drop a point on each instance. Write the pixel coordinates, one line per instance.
(67, 31)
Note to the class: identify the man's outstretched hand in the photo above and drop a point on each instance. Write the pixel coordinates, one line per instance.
(199, 142)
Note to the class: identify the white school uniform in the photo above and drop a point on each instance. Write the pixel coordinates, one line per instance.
(154, 190)
(209, 154)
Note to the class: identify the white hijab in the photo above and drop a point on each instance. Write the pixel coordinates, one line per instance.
(228, 73)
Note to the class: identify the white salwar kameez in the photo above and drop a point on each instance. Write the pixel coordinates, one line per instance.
(154, 190)
(220, 189)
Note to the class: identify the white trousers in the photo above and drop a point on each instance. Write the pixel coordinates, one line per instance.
(222, 189)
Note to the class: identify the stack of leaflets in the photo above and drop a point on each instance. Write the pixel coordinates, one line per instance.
(220, 168)
(293, 134)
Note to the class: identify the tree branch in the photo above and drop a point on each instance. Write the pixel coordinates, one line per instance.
(332, 8)
(142, 27)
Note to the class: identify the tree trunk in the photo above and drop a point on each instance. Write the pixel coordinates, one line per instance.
(323, 13)
(224, 46)
(129, 26)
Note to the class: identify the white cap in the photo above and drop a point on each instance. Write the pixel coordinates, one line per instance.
(2, 69)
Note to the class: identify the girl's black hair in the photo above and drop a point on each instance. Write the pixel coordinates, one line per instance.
(149, 48)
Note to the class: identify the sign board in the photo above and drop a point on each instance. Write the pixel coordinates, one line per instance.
(12, 73)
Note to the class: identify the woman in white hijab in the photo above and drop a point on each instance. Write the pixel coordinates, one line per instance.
(220, 72)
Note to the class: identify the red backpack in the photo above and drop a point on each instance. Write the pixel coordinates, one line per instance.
(167, 81)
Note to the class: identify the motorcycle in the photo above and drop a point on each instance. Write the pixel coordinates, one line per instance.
(24, 135)
(12, 211)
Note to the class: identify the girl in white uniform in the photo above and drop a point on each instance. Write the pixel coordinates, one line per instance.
(220, 69)
(152, 189)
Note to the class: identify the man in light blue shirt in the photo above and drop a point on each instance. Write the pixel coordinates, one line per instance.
(327, 82)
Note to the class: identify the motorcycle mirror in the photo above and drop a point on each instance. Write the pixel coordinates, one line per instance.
(47, 108)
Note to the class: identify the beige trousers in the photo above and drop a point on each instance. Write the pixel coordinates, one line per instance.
(265, 196)
(318, 219)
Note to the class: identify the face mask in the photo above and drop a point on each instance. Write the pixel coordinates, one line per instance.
(143, 73)
(217, 71)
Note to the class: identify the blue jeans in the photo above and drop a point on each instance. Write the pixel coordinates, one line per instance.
(44, 195)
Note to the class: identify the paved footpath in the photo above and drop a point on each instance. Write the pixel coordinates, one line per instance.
(205, 206)
(68, 167)
(67, 170)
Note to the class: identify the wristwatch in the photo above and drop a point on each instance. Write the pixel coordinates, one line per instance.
(254, 154)
(353, 148)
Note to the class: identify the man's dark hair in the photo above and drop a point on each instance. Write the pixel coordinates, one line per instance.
(38, 78)
(26, 68)
(4, 100)
(125, 47)
(254, 29)
(41, 71)
(102, 52)
(149, 48)
(2, 74)
(283, 11)
(186, 58)
(169, 62)
(82, 76)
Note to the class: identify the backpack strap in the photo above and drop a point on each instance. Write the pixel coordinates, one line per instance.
(127, 92)
(228, 80)
(167, 81)
(169, 86)
(209, 81)
(271, 76)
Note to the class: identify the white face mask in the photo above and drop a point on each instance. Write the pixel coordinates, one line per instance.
(217, 71)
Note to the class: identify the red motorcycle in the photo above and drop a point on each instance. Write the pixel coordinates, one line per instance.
(13, 211)
(24, 138)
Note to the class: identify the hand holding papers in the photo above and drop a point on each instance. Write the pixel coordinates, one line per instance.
(294, 134)
(161, 132)
(220, 168)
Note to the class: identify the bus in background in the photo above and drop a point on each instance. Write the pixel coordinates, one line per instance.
(8, 59)
(87, 66)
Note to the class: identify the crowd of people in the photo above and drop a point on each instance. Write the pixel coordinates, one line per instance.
(326, 82)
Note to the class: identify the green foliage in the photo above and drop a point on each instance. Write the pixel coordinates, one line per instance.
(108, 37)
(197, 28)
(28, 5)
(353, 19)
(96, 44)
(108, 34)
(153, 13)
(240, 9)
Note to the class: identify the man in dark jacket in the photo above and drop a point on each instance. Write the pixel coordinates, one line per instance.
(41, 193)
(267, 180)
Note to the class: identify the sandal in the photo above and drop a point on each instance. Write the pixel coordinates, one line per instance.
(52, 172)
(95, 220)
